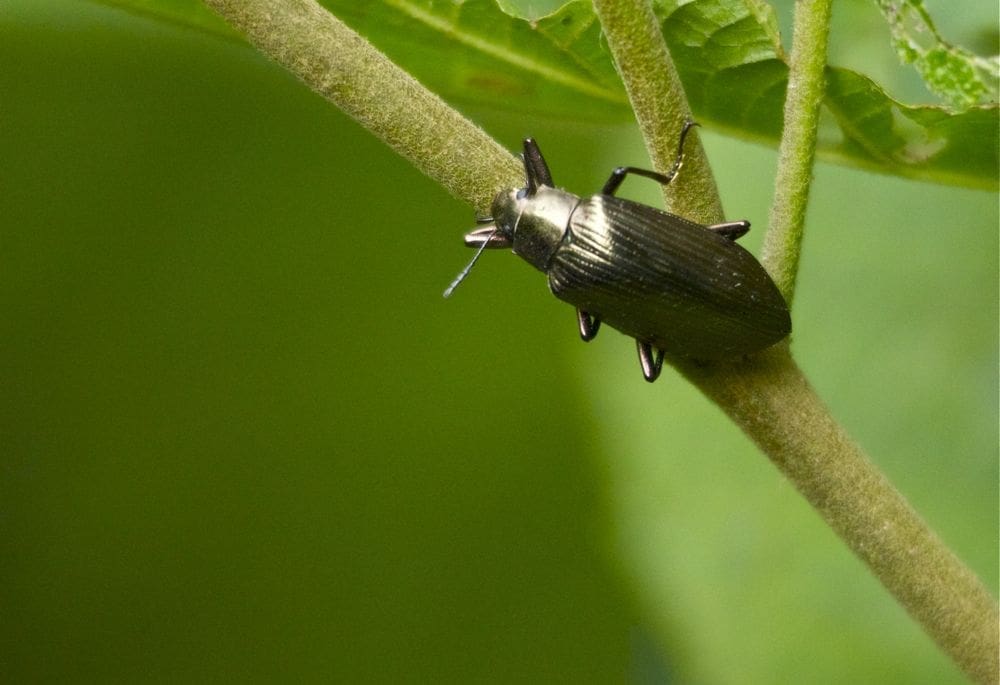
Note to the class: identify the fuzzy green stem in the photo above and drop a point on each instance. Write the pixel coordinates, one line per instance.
(770, 399)
(767, 396)
(657, 96)
(343, 67)
(796, 153)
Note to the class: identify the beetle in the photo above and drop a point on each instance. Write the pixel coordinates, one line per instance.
(678, 287)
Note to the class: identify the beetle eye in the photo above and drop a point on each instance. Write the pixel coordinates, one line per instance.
(522, 193)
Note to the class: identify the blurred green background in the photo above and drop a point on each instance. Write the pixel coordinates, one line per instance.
(243, 437)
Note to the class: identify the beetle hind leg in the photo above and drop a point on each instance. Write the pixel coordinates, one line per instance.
(731, 229)
(589, 325)
(651, 363)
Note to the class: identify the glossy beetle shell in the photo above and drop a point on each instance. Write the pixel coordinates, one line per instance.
(665, 280)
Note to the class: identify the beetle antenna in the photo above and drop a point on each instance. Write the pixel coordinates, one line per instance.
(468, 267)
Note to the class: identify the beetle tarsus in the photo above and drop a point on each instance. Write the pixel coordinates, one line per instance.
(651, 363)
(731, 229)
(589, 325)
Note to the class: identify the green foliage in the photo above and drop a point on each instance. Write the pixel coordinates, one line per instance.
(474, 52)
(244, 438)
(961, 78)
(188, 13)
(516, 57)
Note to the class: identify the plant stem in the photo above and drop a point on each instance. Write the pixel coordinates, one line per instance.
(657, 96)
(771, 400)
(767, 395)
(796, 153)
(342, 66)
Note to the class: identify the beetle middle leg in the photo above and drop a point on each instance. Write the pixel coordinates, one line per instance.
(589, 325)
(651, 364)
(619, 174)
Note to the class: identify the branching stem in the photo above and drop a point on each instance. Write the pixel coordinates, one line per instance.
(770, 399)
(767, 396)
(797, 151)
(661, 108)
(343, 67)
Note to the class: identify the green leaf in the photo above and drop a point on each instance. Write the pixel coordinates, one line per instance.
(921, 142)
(474, 52)
(730, 60)
(960, 77)
(728, 53)
(532, 10)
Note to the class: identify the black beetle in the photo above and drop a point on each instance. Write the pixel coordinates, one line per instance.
(680, 287)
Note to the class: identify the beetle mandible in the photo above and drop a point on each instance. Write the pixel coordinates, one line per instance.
(676, 286)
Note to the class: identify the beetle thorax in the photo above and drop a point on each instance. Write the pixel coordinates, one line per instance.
(535, 224)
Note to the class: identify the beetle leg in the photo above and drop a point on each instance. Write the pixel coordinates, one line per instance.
(535, 169)
(651, 365)
(619, 174)
(589, 325)
(731, 229)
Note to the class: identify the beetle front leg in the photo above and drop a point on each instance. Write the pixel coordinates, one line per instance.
(651, 364)
(589, 325)
(536, 171)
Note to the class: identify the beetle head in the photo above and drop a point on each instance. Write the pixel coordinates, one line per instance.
(533, 223)
(530, 220)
